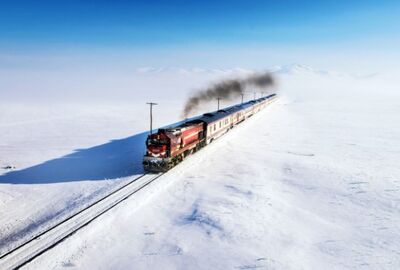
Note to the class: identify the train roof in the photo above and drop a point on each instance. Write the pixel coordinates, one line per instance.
(213, 116)
(222, 113)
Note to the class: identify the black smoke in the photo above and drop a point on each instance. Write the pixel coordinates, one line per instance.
(260, 80)
(227, 90)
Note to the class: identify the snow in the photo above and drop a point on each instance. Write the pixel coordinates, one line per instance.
(311, 182)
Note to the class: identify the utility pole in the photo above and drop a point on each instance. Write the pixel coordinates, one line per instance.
(218, 98)
(242, 97)
(262, 94)
(151, 115)
(254, 95)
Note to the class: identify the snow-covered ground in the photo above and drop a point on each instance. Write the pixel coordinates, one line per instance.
(311, 182)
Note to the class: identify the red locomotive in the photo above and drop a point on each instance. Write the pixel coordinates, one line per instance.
(168, 147)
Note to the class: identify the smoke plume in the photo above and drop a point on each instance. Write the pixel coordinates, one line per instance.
(261, 80)
(226, 90)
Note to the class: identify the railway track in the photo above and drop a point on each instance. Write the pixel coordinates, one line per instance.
(36, 246)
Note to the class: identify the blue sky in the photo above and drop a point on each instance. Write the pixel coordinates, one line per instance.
(177, 23)
(330, 34)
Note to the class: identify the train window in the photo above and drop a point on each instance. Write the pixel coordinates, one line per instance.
(215, 126)
(219, 124)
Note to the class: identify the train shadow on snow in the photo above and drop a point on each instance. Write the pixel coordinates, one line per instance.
(115, 159)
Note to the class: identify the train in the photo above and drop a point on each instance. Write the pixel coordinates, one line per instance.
(169, 146)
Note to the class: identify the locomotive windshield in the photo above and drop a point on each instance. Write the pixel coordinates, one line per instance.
(156, 142)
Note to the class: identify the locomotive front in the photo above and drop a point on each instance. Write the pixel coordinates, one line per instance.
(157, 157)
